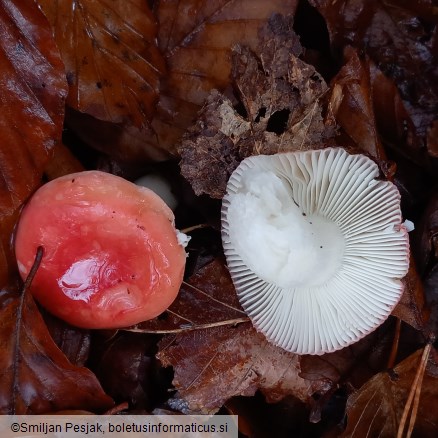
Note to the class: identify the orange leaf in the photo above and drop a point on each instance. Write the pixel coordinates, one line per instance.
(112, 63)
(35, 375)
(32, 93)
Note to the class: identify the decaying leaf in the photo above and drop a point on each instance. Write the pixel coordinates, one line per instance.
(401, 39)
(352, 105)
(127, 370)
(33, 90)
(412, 307)
(196, 39)
(112, 62)
(35, 375)
(211, 365)
(72, 341)
(425, 250)
(376, 409)
(208, 299)
(281, 96)
(215, 364)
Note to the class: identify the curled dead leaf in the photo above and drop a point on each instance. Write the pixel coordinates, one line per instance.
(282, 111)
(400, 38)
(352, 106)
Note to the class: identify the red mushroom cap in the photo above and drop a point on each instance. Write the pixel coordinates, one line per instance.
(112, 256)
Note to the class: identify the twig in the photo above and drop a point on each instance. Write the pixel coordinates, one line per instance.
(19, 319)
(193, 228)
(395, 342)
(189, 328)
(414, 395)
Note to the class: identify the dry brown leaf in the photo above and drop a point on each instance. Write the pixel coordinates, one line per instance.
(412, 307)
(351, 103)
(33, 90)
(213, 365)
(195, 39)
(281, 96)
(112, 62)
(376, 409)
(35, 375)
(208, 299)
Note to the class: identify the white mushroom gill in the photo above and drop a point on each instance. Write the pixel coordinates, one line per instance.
(315, 247)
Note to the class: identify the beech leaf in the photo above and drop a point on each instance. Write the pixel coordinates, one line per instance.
(211, 365)
(376, 409)
(216, 364)
(112, 63)
(35, 375)
(281, 96)
(33, 90)
(208, 299)
(352, 106)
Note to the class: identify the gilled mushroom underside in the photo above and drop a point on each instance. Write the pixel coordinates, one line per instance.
(315, 246)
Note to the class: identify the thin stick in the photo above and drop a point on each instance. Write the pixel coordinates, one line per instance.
(423, 365)
(415, 384)
(189, 328)
(395, 342)
(193, 228)
(19, 318)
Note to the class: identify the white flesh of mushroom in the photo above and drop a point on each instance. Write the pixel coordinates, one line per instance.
(315, 247)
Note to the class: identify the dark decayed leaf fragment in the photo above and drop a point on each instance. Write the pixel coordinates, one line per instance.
(213, 365)
(196, 39)
(281, 96)
(401, 38)
(32, 96)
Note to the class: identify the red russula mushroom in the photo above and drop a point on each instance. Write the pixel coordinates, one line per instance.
(112, 256)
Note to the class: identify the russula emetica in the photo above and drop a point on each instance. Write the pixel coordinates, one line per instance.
(112, 255)
(315, 246)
